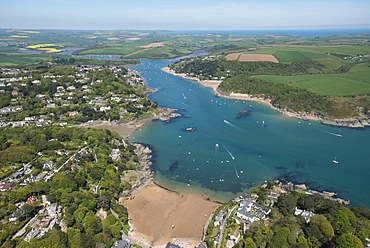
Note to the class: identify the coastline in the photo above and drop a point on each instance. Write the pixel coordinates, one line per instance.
(355, 122)
(154, 209)
(126, 128)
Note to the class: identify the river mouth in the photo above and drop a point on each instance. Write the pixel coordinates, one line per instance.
(227, 156)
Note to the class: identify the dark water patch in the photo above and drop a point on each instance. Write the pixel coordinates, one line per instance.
(299, 164)
(174, 166)
(281, 168)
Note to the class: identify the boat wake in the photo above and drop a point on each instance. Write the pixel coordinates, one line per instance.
(236, 172)
(229, 152)
(334, 134)
(233, 126)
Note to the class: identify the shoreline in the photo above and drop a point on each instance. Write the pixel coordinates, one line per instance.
(152, 208)
(354, 122)
(127, 128)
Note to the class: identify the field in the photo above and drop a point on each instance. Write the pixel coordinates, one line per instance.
(160, 53)
(356, 82)
(22, 59)
(249, 57)
(110, 50)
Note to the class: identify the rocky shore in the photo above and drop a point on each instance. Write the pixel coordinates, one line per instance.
(283, 186)
(145, 175)
(126, 128)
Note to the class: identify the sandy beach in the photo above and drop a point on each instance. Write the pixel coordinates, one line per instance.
(154, 211)
(124, 130)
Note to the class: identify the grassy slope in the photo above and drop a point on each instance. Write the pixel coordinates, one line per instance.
(356, 82)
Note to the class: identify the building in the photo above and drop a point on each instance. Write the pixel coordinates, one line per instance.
(16, 175)
(121, 244)
(48, 165)
(219, 218)
(31, 199)
(53, 210)
(6, 186)
(170, 245)
(233, 239)
(306, 214)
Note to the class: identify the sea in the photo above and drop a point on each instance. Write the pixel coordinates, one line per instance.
(297, 32)
(228, 154)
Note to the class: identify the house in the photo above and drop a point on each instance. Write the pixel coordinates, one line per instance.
(62, 152)
(6, 186)
(243, 213)
(219, 218)
(14, 216)
(216, 240)
(48, 165)
(233, 239)
(35, 232)
(104, 108)
(306, 214)
(53, 210)
(115, 153)
(17, 175)
(121, 244)
(31, 199)
(170, 245)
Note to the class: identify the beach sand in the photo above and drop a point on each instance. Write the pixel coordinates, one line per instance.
(124, 130)
(154, 210)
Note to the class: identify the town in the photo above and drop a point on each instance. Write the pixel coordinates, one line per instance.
(70, 95)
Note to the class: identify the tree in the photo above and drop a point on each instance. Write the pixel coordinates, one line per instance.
(320, 228)
(249, 243)
(280, 238)
(347, 240)
(286, 204)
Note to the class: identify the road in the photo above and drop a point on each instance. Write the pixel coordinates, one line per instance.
(223, 225)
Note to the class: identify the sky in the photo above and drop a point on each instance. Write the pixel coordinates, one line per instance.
(184, 15)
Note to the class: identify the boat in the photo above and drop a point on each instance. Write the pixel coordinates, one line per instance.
(190, 129)
(335, 161)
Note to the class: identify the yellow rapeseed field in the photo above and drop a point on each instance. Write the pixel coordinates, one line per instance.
(41, 45)
(18, 36)
(30, 32)
(48, 48)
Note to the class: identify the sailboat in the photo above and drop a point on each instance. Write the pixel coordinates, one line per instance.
(335, 161)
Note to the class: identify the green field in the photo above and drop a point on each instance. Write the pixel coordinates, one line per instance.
(356, 82)
(289, 56)
(7, 60)
(161, 52)
(111, 50)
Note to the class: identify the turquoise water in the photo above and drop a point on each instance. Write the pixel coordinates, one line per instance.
(227, 155)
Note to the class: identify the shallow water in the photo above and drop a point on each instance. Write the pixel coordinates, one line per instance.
(227, 156)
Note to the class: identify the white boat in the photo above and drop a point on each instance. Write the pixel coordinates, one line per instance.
(335, 161)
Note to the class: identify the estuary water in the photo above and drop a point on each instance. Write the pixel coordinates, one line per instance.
(229, 154)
